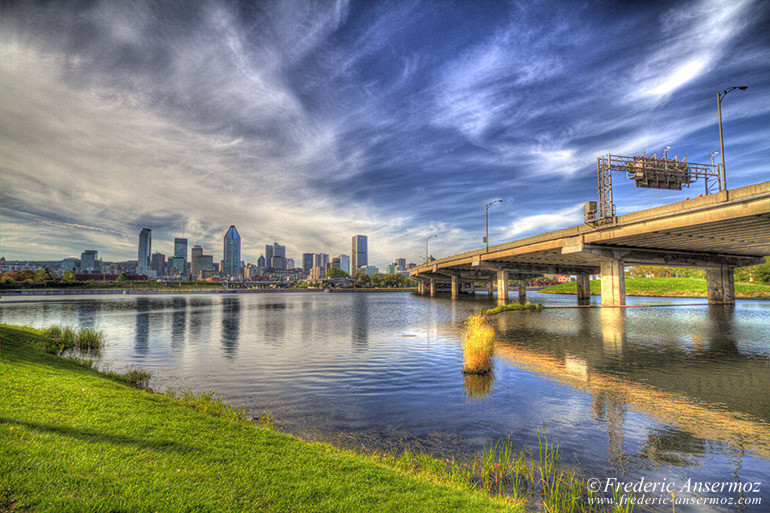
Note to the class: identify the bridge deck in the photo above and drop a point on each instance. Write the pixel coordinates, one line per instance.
(718, 232)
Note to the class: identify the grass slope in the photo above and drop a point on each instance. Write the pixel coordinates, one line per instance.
(666, 287)
(72, 439)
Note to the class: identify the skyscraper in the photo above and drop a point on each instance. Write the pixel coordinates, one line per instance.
(344, 263)
(261, 262)
(158, 263)
(268, 254)
(307, 262)
(359, 253)
(232, 253)
(180, 249)
(145, 249)
(195, 255)
(88, 261)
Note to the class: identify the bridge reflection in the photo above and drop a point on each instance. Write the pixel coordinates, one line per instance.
(703, 385)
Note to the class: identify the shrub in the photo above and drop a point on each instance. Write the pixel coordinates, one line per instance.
(478, 345)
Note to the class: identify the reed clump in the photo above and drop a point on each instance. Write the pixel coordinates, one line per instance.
(478, 345)
(62, 338)
(514, 307)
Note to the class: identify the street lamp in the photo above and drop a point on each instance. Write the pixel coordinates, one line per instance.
(665, 150)
(486, 219)
(721, 138)
(426, 246)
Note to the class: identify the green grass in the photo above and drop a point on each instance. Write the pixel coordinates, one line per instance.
(666, 287)
(478, 345)
(514, 307)
(74, 439)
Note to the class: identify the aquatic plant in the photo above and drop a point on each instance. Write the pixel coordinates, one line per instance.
(514, 307)
(59, 339)
(478, 345)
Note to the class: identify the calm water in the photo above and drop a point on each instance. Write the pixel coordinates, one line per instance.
(677, 392)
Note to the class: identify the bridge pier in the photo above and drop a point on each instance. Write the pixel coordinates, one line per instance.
(720, 282)
(490, 287)
(473, 288)
(583, 289)
(522, 291)
(502, 285)
(613, 283)
(432, 287)
(455, 286)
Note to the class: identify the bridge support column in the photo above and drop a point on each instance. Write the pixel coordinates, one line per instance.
(613, 283)
(720, 283)
(455, 286)
(421, 287)
(583, 289)
(432, 287)
(473, 288)
(502, 285)
(522, 291)
(490, 287)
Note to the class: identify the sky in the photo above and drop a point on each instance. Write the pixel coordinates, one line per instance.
(309, 122)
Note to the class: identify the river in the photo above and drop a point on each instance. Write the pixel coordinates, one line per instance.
(677, 393)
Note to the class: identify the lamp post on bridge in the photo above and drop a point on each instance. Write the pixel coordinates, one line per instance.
(720, 96)
(427, 255)
(486, 220)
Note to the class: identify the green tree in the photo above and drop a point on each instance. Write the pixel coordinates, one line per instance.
(363, 279)
(336, 273)
(70, 276)
(122, 277)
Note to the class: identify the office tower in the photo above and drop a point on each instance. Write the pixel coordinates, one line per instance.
(261, 262)
(400, 264)
(278, 250)
(268, 254)
(195, 255)
(358, 257)
(88, 261)
(289, 263)
(178, 265)
(335, 263)
(390, 269)
(180, 250)
(232, 252)
(145, 249)
(158, 263)
(344, 263)
(307, 262)
(321, 260)
(278, 262)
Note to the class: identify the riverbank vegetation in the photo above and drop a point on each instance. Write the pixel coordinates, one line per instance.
(478, 345)
(73, 438)
(512, 307)
(666, 287)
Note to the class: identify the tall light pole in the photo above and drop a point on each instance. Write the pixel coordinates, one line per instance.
(721, 138)
(665, 150)
(426, 247)
(486, 219)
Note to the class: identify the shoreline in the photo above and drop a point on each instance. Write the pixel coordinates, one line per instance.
(143, 292)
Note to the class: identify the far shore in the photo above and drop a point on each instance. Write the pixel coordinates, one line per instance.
(666, 287)
(171, 290)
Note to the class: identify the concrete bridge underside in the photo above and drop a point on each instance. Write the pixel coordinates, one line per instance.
(718, 233)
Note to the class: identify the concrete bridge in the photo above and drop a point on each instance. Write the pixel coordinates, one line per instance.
(718, 233)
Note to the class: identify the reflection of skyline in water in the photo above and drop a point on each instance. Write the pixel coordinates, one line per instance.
(631, 392)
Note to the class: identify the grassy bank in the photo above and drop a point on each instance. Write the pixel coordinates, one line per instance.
(73, 439)
(666, 287)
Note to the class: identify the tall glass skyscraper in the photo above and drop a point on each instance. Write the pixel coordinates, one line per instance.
(358, 254)
(145, 250)
(232, 253)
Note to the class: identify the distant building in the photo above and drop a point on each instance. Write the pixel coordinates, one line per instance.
(278, 262)
(145, 249)
(205, 265)
(261, 262)
(88, 261)
(268, 253)
(335, 263)
(410, 265)
(344, 263)
(251, 272)
(371, 270)
(178, 265)
(316, 273)
(180, 251)
(195, 255)
(68, 264)
(289, 264)
(390, 269)
(158, 263)
(400, 264)
(359, 252)
(321, 260)
(232, 253)
(278, 250)
(307, 262)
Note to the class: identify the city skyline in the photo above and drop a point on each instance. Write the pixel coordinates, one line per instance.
(318, 122)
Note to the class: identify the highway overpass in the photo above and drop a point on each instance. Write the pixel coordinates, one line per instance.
(718, 233)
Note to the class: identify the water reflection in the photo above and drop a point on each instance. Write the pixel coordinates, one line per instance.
(707, 390)
(231, 325)
(359, 323)
(478, 386)
(178, 322)
(142, 336)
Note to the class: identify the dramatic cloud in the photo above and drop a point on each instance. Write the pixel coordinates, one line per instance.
(307, 123)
